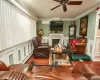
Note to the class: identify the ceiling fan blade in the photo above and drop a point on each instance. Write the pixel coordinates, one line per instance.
(55, 7)
(57, 0)
(74, 2)
(64, 8)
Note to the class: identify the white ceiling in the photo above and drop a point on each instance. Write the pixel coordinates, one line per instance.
(41, 8)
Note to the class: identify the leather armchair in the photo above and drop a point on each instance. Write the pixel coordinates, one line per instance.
(40, 51)
(16, 67)
(79, 45)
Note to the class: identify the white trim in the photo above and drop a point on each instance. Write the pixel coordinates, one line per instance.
(95, 39)
(14, 51)
(90, 48)
(87, 12)
(98, 11)
(23, 61)
(90, 41)
(45, 19)
(63, 19)
(21, 8)
(67, 19)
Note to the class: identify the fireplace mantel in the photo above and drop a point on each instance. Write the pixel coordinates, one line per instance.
(55, 36)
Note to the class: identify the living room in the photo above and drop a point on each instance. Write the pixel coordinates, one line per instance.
(45, 25)
(21, 22)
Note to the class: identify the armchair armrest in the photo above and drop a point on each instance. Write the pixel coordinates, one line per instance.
(80, 44)
(21, 67)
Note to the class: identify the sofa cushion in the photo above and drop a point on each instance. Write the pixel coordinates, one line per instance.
(21, 67)
(83, 68)
(91, 76)
(41, 69)
(61, 75)
(13, 75)
(78, 76)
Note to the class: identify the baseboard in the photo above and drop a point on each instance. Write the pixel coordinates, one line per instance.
(23, 62)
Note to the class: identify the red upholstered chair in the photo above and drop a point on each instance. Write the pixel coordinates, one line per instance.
(16, 67)
(78, 45)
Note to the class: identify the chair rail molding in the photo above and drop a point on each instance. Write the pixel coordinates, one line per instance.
(15, 55)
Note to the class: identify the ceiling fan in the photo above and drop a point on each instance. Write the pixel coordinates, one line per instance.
(64, 2)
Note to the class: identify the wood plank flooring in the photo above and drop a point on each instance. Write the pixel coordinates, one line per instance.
(38, 61)
(94, 65)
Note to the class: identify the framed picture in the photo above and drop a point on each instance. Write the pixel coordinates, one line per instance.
(83, 26)
(72, 31)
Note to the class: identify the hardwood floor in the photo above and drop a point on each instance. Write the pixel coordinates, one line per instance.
(94, 65)
(38, 61)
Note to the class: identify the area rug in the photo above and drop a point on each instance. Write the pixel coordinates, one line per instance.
(61, 59)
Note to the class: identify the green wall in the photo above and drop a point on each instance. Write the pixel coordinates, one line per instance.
(90, 30)
(46, 28)
(91, 25)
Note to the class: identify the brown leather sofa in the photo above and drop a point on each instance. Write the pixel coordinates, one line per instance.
(81, 71)
(16, 67)
(40, 50)
(16, 75)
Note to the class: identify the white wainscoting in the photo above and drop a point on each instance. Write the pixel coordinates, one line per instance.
(90, 48)
(15, 26)
(46, 40)
(17, 54)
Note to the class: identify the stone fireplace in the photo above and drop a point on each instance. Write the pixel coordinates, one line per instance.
(55, 38)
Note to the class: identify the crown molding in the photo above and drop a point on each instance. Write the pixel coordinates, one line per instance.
(98, 11)
(22, 8)
(68, 19)
(87, 12)
(45, 19)
(65, 19)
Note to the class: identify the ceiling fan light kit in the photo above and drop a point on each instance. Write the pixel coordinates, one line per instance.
(64, 2)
